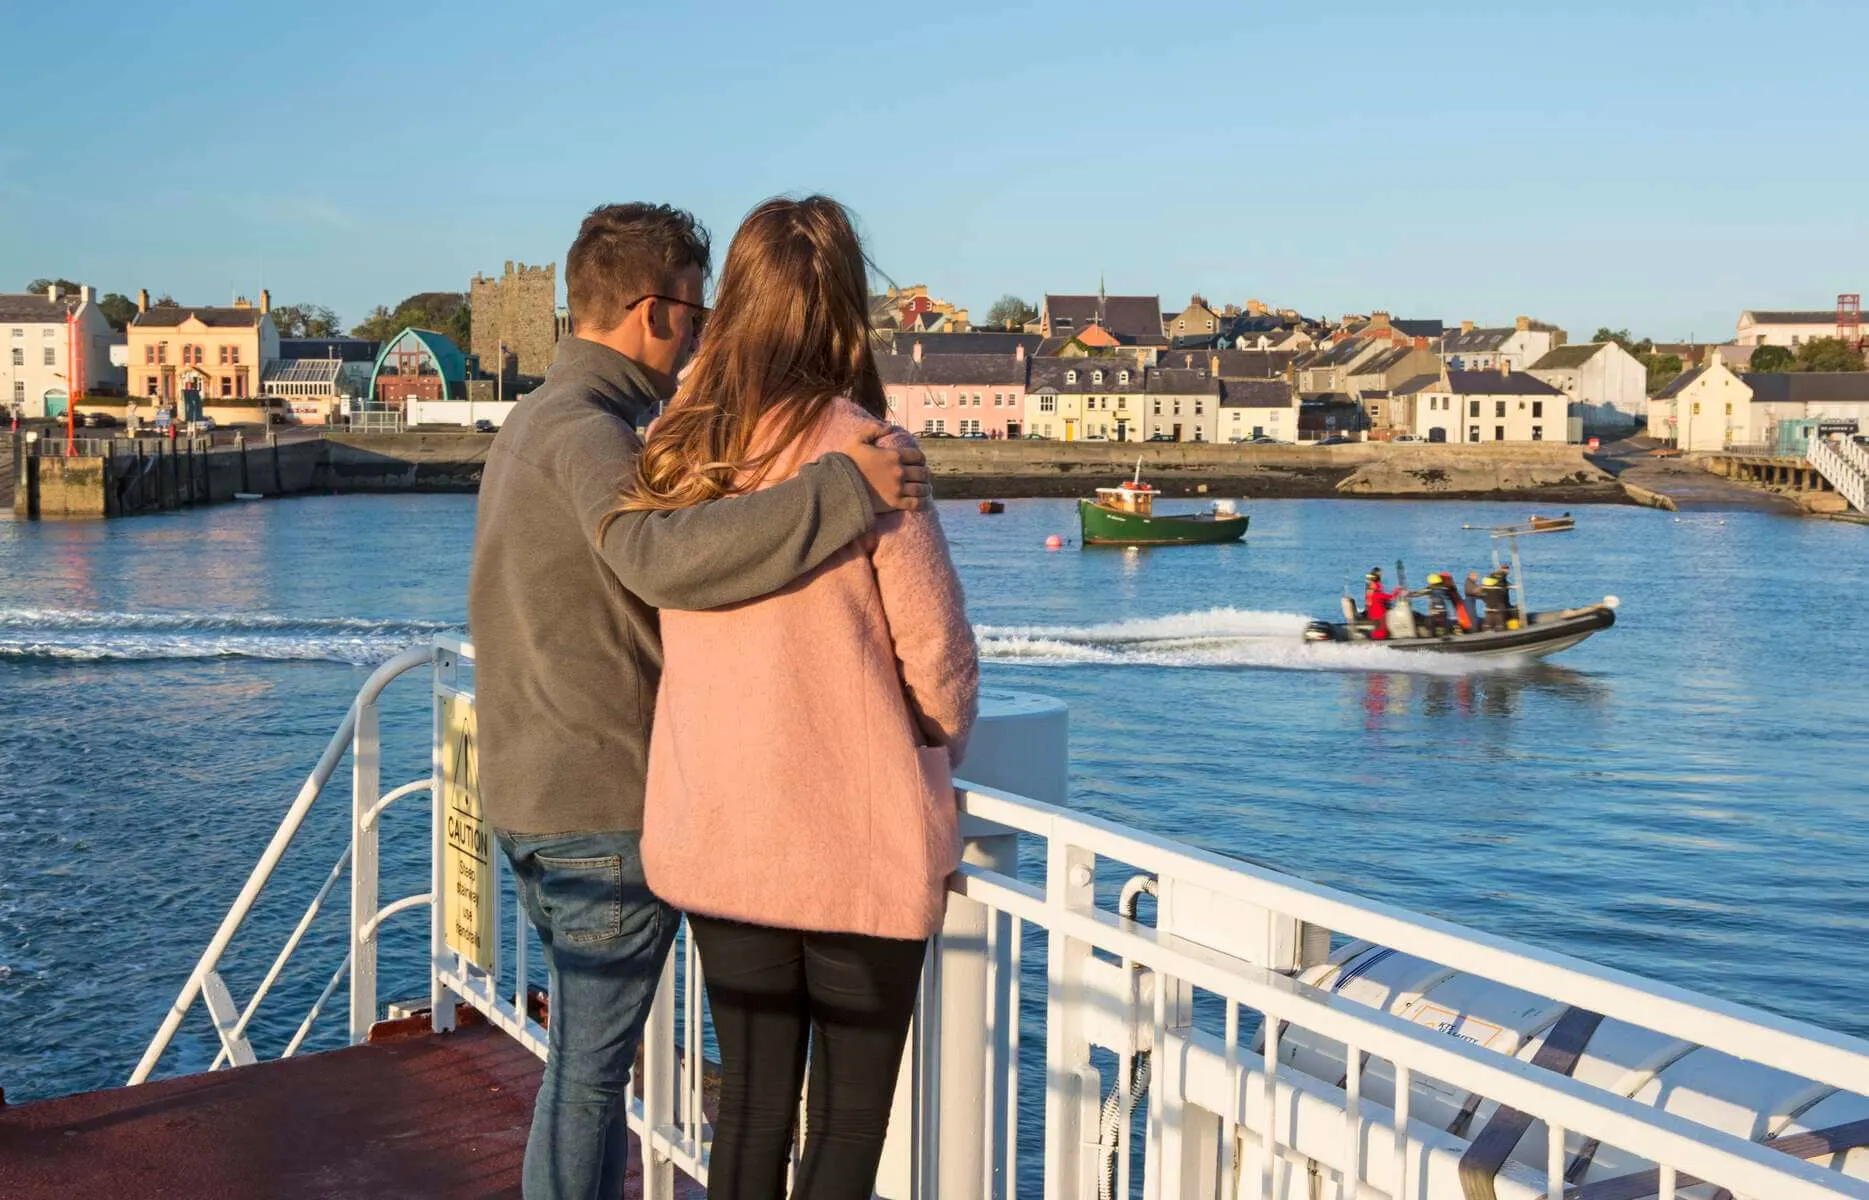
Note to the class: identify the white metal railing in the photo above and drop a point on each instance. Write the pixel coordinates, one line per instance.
(359, 735)
(1853, 452)
(1178, 1023)
(1844, 470)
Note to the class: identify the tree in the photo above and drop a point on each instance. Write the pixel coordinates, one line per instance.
(306, 321)
(68, 287)
(444, 312)
(1662, 368)
(1011, 312)
(1771, 359)
(1623, 338)
(118, 309)
(1828, 354)
(165, 301)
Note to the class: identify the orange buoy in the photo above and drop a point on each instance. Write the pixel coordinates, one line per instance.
(1054, 542)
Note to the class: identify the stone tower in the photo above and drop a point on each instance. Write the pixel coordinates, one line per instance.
(518, 310)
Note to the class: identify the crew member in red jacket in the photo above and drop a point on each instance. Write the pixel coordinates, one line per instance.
(1376, 603)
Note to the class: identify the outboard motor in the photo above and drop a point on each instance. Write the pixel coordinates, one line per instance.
(1320, 631)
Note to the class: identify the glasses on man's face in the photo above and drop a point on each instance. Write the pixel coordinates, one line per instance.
(701, 311)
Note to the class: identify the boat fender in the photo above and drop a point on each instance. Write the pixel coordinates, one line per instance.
(1054, 542)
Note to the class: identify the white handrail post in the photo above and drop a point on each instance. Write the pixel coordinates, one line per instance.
(440, 999)
(366, 784)
(1072, 1085)
(658, 1087)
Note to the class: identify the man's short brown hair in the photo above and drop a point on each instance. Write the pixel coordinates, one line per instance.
(624, 252)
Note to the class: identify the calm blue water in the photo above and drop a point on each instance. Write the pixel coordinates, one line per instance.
(1680, 796)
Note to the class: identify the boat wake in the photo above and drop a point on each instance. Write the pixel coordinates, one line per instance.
(83, 636)
(1218, 637)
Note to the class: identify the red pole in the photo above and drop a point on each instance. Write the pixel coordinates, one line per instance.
(71, 383)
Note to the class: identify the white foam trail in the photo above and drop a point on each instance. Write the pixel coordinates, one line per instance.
(84, 636)
(1219, 637)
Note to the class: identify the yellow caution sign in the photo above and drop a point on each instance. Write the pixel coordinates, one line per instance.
(468, 899)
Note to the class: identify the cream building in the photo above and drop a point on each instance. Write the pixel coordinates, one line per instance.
(1491, 406)
(1710, 408)
(1072, 399)
(218, 354)
(1762, 327)
(37, 330)
(1183, 405)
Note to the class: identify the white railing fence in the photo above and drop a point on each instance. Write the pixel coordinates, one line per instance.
(1846, 469)
(1112, 1014)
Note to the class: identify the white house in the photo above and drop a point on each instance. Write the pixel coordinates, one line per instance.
(1606, 385)
(1491, 406)
(1251, 408)
(1711, 408)
(1762, 327)
(35, 350)
(1517, 346)
(1183, 405)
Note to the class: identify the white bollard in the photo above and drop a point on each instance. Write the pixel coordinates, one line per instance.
(1020, 745)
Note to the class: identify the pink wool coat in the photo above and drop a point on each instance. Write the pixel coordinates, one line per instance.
(799, 766)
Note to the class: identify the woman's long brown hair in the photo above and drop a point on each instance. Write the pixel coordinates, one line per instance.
(789, 333)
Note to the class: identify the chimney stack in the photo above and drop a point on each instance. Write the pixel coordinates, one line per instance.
(917, 352)
(266, 301)
(142, 300)
(1505, 366)
(1018, 352)
(51, 292)
(84, 294)
(1466, 327)
(1524, 323)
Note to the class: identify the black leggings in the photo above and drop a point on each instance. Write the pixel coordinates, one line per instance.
(772, 992)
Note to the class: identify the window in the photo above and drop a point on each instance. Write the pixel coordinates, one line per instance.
(19, 333)
(19, 391)
(1122, 377)
(1177, 407)
(1473, 410)
(1499, 409)
(1538, 408)
(227, 385)
(1197, 408)
(1697, 408)
(1473, 433)
(1096, 377)
(149, 354)
(1158, 406)
(19, 356)
(149, 382)
(1794, 339)
(996, 399)
(233, 353)
(1070, 377)
(1048, 404)
(50, 334)
(1538, 433)
(1729, 407)
(1499, 433)
(51, 360)
(223, 356)
(162, 352)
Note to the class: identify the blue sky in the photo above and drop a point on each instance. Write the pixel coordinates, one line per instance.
(1651, 164)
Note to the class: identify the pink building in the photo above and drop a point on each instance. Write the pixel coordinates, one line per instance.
(959, 394)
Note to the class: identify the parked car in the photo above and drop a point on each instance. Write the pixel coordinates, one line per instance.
(1159, 437)
(1095, 437)
(1263, 440)
(934, 433)
(1407, 439)
(976, 435)
(97, 420)
(485, 426)
(204, 425)
(1336, 439)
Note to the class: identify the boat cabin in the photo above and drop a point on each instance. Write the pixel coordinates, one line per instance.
(1137, 498)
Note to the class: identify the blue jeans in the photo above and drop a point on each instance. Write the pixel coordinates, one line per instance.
(605, 937)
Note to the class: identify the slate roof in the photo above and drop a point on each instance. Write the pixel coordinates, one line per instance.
(344, 349)
(214, 318)
(1568, 358)
(1478, 341)
(1777, 317)
(1415, 385)
(1418, 327)
(1680, 381)
(1382, 361)
(1256, 393)
(977, 342)
(1340, 354)
(31, 308)
(1124, 316)
(950, 369)
(1254, 364)
(1182, 381)
(1052, 372)
(1498, 383)
(1809, 387)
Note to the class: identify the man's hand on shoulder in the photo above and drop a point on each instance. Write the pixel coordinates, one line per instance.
(897, 476)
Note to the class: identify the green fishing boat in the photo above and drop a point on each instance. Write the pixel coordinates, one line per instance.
(1125, 515)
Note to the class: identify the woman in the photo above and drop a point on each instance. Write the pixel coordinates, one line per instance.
(800, 804)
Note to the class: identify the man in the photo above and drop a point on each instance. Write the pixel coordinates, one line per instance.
(1376, 603)
(1496, 595)
(562, 610)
